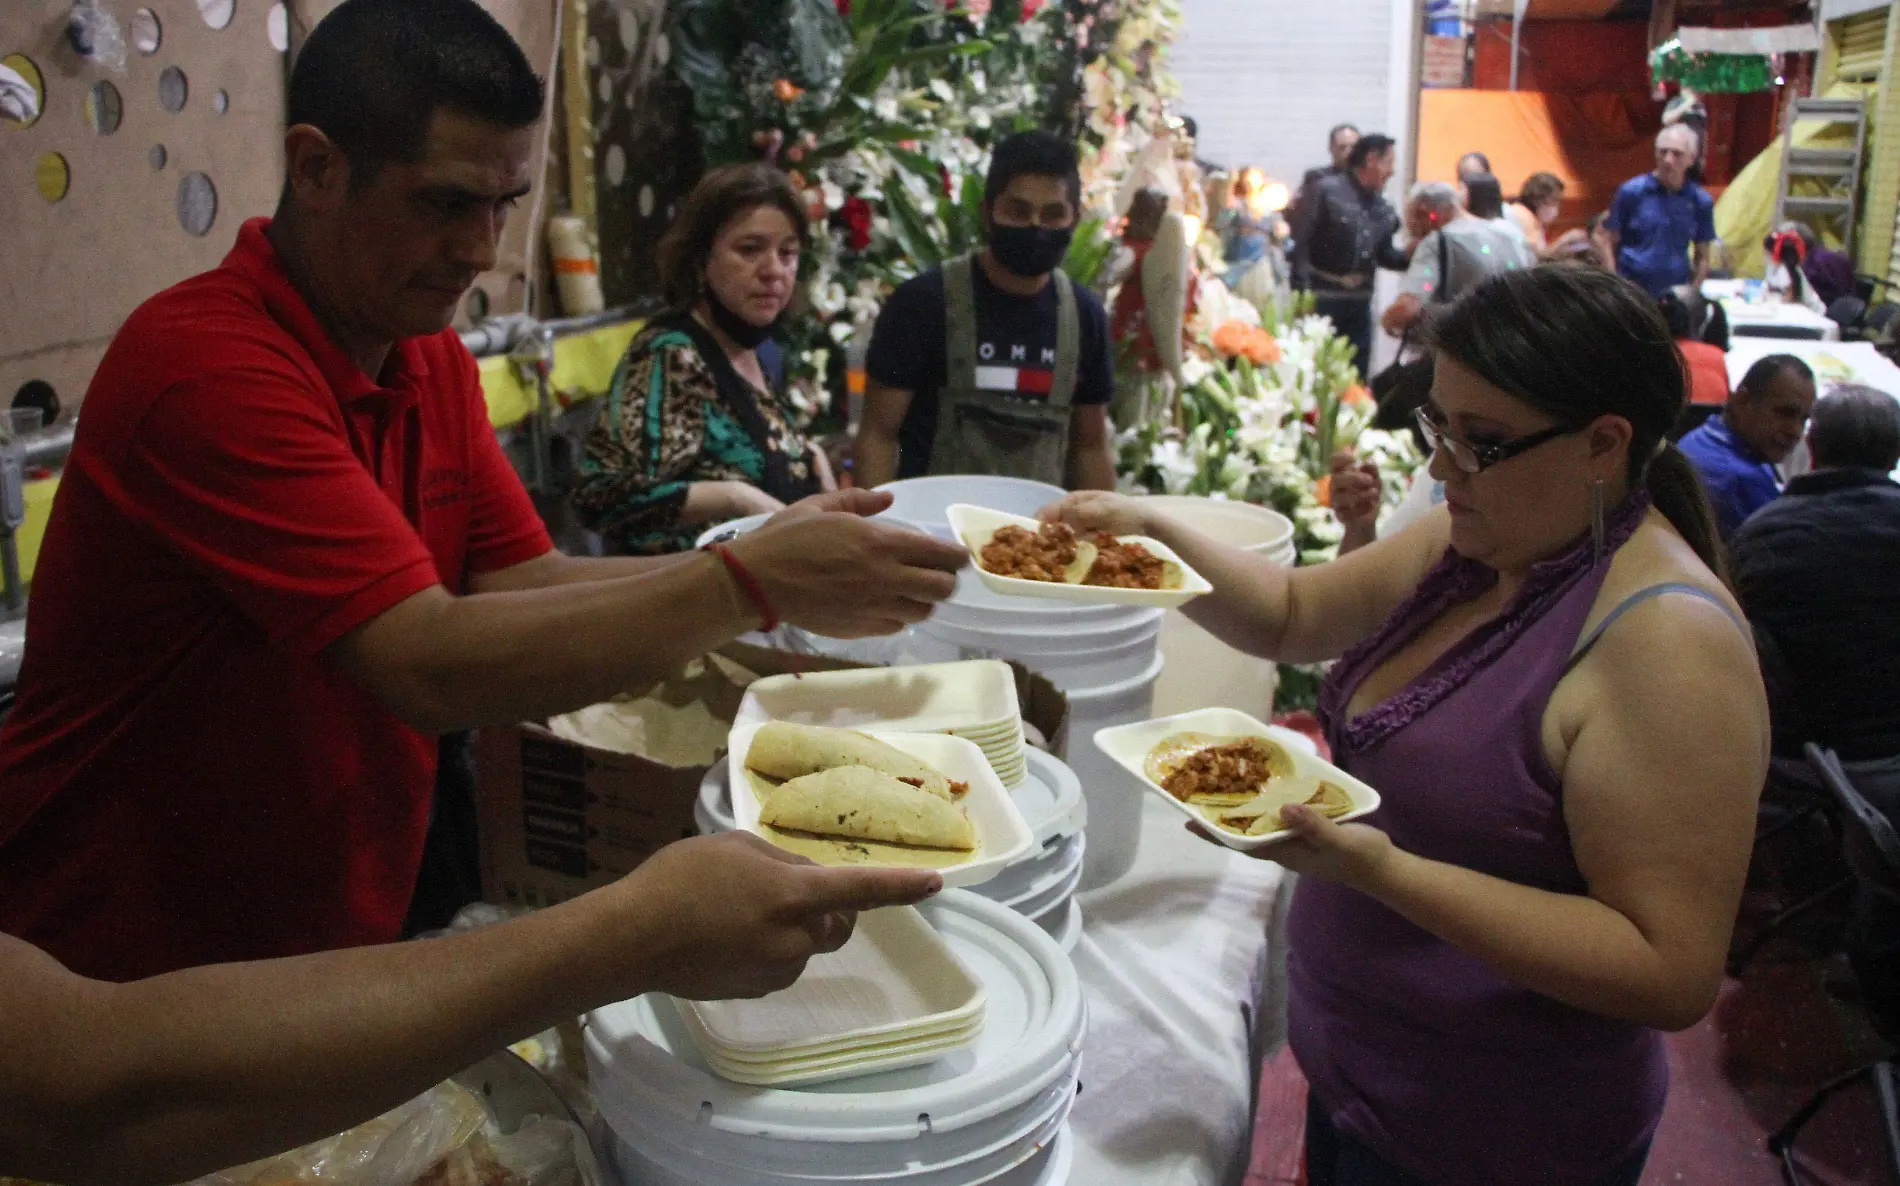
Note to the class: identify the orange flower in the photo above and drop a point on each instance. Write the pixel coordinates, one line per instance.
(785, 91)
(1262, 349)
(1323, 490)
(1232, 337)
(1356, 394)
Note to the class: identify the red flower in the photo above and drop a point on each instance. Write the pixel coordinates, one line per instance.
(856, 213)
(1030, 8)
(943, 175)
(844, 7)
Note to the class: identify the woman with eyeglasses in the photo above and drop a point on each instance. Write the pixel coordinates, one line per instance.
(1552, 689)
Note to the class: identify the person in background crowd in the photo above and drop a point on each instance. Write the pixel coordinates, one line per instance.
(1343, 235)
(1484, 201)
(1658, 221)
(1128, 326)
(1737, 451)
(698, 429)
(164, 1079)
(1538, 204)
(1473, 164)
(1686, 312)
(1818, 571)
(1784, 258)
(287, 549)
(1245, 234)
(1831, 272)
(1028, 391)
(1339, 144)
(1478, 970)
(1454, 251)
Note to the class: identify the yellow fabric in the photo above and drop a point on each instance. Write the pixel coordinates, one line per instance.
(1746, 209)
(39, 504)
(583, 367)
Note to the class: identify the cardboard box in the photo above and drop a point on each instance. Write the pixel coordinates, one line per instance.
(558, 818)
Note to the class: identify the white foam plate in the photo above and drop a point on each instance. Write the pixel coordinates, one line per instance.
(645, 1066)
(1129, 745)
(975, 525)
(976, 695)
(855, 1065)
(1002, 835)
(895, 978)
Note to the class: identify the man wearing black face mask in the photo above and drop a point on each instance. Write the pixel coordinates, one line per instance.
(997, 363)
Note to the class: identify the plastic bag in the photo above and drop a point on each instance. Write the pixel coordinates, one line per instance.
(396, 1149)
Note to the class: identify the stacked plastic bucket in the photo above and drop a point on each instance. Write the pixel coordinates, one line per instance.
(1106, 658)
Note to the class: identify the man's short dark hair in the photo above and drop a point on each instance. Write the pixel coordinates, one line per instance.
(373, 72)
(1370, 145)
(1337, 129)
(1484, 165)
(1854, 425)
(1755, 383)
(1034, 153)
(1484, 197)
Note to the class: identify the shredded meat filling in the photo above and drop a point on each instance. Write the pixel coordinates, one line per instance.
(1042, 555)
(1120, 565)
(1237, 768)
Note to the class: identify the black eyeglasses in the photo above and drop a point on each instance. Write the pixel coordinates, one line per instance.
(1475, 459)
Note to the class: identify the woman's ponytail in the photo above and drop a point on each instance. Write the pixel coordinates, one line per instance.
(1676, 489)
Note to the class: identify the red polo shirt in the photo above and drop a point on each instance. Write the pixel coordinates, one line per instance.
(185, 779)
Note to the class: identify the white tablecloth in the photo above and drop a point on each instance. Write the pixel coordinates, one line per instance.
(1833, 362)
(1769, 319)
(1181, 964)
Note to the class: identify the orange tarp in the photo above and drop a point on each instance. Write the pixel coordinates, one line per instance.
(1595, 142)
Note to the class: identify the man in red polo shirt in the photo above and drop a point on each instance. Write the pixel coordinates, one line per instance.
(287, 546)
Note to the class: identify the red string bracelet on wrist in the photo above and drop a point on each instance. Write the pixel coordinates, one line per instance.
(748, 582)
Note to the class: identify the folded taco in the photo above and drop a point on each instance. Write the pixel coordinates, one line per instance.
(864, 804)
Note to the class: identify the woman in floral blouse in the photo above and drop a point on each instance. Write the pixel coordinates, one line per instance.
(696, 429)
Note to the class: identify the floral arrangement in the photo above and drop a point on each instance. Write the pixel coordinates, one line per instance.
(1257, 417)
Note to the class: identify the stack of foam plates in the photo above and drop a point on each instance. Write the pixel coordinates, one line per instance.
(1040, 886)
(974, 700)
(894, 996)
(991, 1112)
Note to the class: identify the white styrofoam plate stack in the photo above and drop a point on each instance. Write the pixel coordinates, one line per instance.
(974, 700)
(1040, 885)
(990, 1112)
(894, 996)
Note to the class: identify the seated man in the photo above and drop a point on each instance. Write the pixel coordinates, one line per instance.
(997, 362)
(1818, 573)
(1687, 313)
(1737, 451)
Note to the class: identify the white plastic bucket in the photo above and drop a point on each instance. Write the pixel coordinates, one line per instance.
(1112, 794)
(1203, 671)
(925, 501)
(1075, 659)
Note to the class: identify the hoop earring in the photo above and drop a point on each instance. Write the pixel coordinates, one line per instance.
(1596, 519)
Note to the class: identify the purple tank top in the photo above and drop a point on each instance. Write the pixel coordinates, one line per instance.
(1424, 1054)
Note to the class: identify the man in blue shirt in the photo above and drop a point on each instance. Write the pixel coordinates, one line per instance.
(1737, 451)
(1657, 219)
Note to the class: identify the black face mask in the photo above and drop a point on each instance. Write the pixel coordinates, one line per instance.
(742, 332)
(1030, 251)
